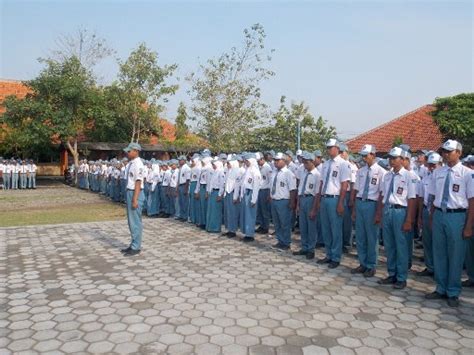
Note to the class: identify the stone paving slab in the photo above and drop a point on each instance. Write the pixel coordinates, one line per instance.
(67, 289)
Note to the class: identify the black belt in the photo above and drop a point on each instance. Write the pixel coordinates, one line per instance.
(307, 195)
(365, 199)
(397, 207)
(215, 189)
(331, 196)
(452, 210)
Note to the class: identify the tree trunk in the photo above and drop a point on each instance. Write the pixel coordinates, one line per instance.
(75, 154)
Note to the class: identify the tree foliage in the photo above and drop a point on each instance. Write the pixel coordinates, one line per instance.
(59, 107)
(180, 122)
(280, 134)
(226, 92)
(140, 90)
(455, 118)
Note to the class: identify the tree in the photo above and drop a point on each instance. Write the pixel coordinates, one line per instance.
(180, 123)
(59, 107)
(226, 92)
(455, 118)
(88, 47)
(280, 133)
(140, 88)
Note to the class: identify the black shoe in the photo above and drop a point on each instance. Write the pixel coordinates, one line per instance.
(425, 272)
(281, 246)
(319, 245)
(202, 226)
(400, 285)
(300, 252)
(248, 239)
(435, 296)
(333, 264)
(125, 250)
(369, 273)
(132, 252)
(225, 234)
(324, 261)
(310, 255)
(345, 250)
(359, 270)
(467, 283)
(387, 281)
(231, 235)
(453, 302)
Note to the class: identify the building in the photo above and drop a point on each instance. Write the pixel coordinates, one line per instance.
(416, 128)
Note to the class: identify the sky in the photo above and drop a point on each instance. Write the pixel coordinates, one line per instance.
(356, 63)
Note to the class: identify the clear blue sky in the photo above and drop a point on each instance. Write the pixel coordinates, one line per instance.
(358, 64)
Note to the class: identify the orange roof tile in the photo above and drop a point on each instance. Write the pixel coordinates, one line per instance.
(416, 128)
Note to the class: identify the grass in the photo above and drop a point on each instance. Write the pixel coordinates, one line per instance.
(55, 204)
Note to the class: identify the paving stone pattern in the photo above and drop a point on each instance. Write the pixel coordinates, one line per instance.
(67, 289)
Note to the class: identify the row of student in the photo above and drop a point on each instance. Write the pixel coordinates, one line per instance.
(393, 197)
(17, 174)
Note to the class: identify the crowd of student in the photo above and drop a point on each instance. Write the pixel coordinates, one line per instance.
(17, 174)
(429, 197)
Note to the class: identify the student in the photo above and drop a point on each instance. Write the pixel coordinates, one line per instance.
(365, 195)
(283, 201)
(452, 190)
(135, 198)
(307, 191)
(397, 203)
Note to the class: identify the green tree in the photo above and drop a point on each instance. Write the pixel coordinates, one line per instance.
(180, 123)
(58, 109)
(280, 133)
(226, 92)
(455, 118)
(141, 87)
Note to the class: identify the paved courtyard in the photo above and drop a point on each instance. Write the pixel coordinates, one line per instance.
(66, 288)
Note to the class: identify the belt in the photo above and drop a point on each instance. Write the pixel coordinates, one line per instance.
(452, 210)
(215, 189)
(307, 195)
(397, 207)
(182, 184)
(365, 199)
(331, 196)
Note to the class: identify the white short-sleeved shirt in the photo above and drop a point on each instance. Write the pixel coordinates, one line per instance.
(312, 183)
(300, 172)
(251, 181)
(376, 174)
(284, 181)
(166, 178)
(340, 172)
(195, 172)
(461, 186)
(135, 172)
(404, 187)
(425, 187)
(266, 172)
(184, 174)
(174, 178)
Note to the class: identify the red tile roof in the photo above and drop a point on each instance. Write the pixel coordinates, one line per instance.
(416, 128)
(11, 87)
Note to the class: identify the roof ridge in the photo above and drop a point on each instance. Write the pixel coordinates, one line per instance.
(388, 122)
(11, 80)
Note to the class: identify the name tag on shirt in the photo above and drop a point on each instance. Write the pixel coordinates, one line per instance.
(282, 184)
(311, 186)
(455, 188)
(400, 191)
(249, 180)
(334, 173)
(374, 181)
